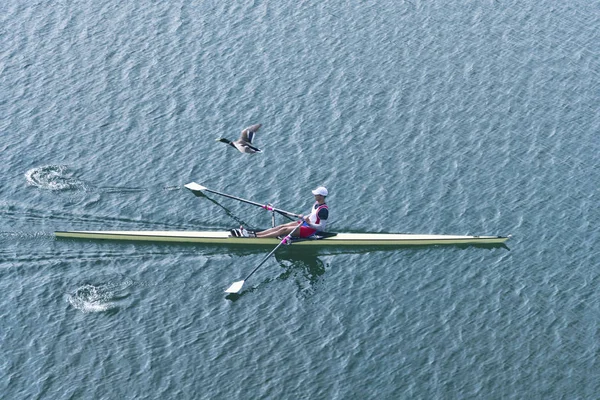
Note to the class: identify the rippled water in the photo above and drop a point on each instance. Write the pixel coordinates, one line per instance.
(424, 117)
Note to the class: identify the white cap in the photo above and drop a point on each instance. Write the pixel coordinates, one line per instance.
(320, 190)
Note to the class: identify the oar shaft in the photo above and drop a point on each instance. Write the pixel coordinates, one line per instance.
(234, 197)
(196, 187)
(284, 240)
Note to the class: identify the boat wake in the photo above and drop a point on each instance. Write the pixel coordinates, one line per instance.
(53, 177)
(103, 297)
(60, 178)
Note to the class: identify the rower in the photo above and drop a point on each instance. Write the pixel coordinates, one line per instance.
(311, 224)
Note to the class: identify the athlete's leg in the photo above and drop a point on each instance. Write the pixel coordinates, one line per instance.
(280, 230)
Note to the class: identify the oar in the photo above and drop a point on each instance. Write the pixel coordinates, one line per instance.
(197, 189)
(237, 286)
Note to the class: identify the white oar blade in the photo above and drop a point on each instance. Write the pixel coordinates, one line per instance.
(195, 187)
(235, 287)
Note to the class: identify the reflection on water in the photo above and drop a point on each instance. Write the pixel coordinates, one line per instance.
(306, 268)
(308, 265)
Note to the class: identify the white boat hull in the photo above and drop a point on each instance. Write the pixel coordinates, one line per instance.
(340, 239)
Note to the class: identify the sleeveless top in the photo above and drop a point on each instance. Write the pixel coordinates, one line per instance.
(314, 218)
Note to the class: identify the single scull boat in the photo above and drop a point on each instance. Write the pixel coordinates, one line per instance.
(329, 239)
(323, 239)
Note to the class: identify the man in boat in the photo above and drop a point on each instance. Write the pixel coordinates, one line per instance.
(311, 224)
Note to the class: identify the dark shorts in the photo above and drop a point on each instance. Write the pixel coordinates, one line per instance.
(306, 231)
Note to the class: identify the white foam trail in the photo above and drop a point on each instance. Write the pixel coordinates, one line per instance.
(52, 177)
(100, 298)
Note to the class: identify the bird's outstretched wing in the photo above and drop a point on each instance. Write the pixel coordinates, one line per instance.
(248, 133)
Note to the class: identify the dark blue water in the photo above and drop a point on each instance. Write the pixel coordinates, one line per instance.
(424, 117)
